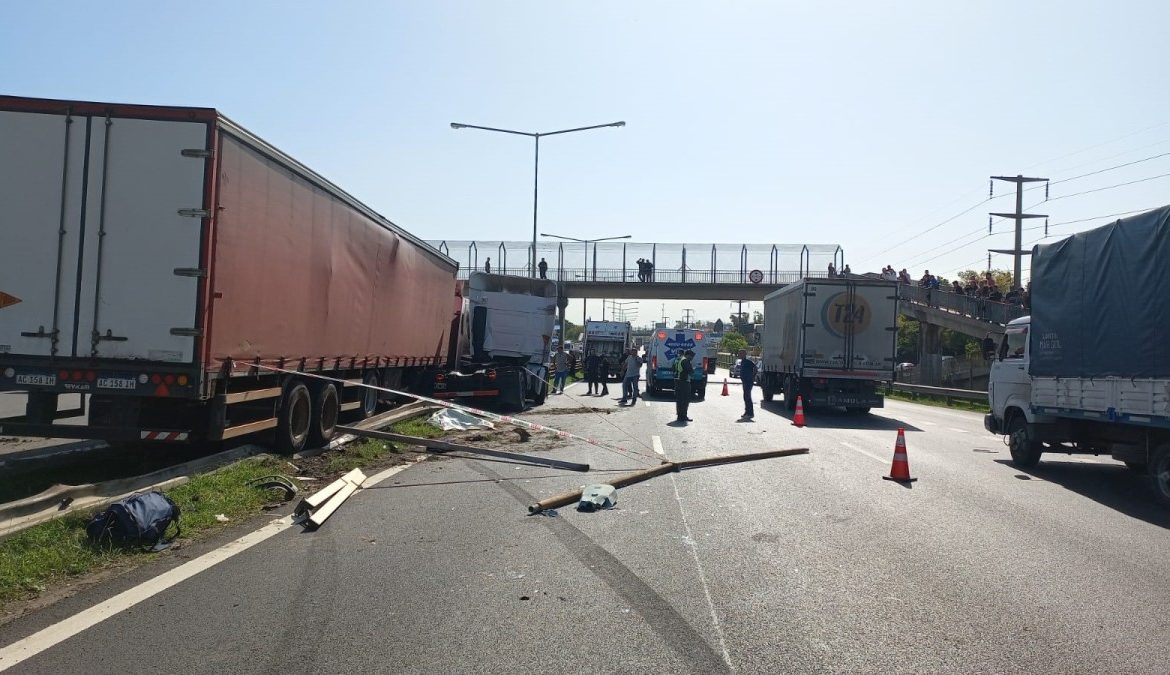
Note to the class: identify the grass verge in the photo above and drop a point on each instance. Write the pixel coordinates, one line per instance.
(53, 552)
(360, 454)
(939, 401)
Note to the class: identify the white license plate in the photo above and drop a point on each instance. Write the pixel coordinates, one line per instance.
(44, 380)
(117, 383)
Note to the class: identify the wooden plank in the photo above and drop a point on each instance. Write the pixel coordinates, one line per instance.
(253, 395)
(322, 514)
(248, 428)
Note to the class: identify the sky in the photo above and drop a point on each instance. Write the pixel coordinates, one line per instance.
(868, 125)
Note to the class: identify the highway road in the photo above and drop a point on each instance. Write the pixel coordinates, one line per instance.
(799, 564)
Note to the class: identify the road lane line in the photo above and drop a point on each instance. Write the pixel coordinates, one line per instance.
(657, 445)
(929, 424)
(694, 546)
(960, 431)
(864, 452)
(24, 649)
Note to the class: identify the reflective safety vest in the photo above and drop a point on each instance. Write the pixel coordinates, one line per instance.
(678, 368)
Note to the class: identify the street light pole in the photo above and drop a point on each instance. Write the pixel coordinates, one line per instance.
(584, 270)
(536, 169)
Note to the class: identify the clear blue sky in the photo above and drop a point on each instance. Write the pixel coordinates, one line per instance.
(856, 123)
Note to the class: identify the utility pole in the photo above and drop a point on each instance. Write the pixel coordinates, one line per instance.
(688, 318)
(1019, 217)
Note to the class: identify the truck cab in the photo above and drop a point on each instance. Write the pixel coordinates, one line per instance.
(665, 347)
(1009, 388)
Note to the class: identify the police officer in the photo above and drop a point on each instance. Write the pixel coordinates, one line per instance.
(683, 371)
(747, 377)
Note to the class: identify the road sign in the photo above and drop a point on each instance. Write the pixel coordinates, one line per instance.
(756, 276)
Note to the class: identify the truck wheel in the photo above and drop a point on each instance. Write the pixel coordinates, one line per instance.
(767, 391)
(1160, 475)
(1025, 453)
(292, 424)
(541, 392)
(369, 396)
(326, 409)
(789, 394)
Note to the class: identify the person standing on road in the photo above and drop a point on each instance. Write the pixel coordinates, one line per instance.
(561, 368)
(592, 366)
(747, 375)
(603, 374)
(631, 367)
(683, 371)
(543, 268)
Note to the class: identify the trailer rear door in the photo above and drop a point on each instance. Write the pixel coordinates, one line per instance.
(850, 330)
(101, 229)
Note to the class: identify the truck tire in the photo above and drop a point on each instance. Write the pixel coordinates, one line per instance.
(292, 423)
(701, 390)
(789, 394)
(326, 409)
(1025, 453)
(541, 392)
(1160, 475)
(369, 396)
(768, 392)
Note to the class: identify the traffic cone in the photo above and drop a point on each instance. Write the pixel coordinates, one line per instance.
(798, 418)
(725, 392)
(900, 470)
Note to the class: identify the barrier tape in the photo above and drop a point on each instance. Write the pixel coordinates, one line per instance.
(495, 417)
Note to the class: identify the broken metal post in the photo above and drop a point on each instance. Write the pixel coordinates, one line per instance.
(432, 444)
(566, 498)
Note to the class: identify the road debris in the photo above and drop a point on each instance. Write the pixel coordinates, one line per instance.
(567, 498)
(316, 509)
(449, 419)
(442, 446)
(597, 497)
(276, 482)
(222, 518)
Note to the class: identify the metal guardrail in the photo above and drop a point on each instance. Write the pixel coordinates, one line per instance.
(942, 392)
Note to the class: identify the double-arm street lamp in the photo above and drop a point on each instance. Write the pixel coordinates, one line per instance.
(587, 242)
(536, 168)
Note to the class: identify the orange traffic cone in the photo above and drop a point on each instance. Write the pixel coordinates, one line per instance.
(798, 418)
(725, 393)
(900, 471)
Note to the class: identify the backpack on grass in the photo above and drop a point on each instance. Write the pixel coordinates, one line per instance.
(138, 520)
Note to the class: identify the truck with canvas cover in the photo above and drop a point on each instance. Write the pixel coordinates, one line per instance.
(831, 342)
(666, 345)
(501, 334)
(1089, 370)
(190, 280)
(611, 338)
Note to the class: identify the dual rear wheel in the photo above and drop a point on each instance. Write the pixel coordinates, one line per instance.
(308, 415)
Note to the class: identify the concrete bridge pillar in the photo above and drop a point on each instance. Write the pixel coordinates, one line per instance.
(930, 364)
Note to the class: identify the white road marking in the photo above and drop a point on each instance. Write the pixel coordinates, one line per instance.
(657, 445)
(960, 431)
(930, 424)
(38, 642)
(864, 452)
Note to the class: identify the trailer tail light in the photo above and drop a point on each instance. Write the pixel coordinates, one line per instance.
(90, 375)
(654, 362)
(155, 379)
(77, 375)
(698, 336)
(440, 377)
(169, 379)
(704, 363)
(491, 375)
(183, 380)
(63, 375)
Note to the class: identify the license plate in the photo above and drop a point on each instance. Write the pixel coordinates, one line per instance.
(117, 383)
(43, 380)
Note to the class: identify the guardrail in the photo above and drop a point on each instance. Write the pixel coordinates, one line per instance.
(976, 308)
(941, 392)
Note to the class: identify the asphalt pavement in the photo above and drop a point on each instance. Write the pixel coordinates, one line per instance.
(796, 564)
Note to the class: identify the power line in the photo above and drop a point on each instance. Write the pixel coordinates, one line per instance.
(1109, 187)
(1098, 145)
(1085, 220)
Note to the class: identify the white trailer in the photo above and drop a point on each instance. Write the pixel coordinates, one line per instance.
(609, 338)
(829, 341)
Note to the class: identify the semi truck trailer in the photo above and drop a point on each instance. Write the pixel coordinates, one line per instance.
(831, 342)
(1089, 370)
(501, 333)
(611, 338)
(160, 261)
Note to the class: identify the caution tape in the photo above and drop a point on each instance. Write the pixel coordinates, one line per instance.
(495, 417)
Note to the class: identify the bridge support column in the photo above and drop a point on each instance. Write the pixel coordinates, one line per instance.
(930, 364)
(562, 305)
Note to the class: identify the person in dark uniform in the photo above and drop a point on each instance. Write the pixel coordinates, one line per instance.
(603, 368)
(592, 364)
(543, 267)
(747, 376)
(683, 371)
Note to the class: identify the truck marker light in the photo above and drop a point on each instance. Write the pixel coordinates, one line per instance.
(183, 380)
(90, 375)
(169, 379)
(491, 374)
(439, 377)
(161, 390)
(63, 375)
(155, 379)
(77, 375)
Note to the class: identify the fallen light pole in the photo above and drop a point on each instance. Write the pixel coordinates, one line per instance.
(566, 498)
(444, 446)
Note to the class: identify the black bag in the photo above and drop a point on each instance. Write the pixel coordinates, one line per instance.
(138, 520)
